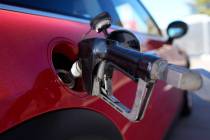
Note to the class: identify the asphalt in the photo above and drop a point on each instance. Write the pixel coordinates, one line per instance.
(196, 126)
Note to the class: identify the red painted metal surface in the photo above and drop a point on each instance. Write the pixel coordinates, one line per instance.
(29, 85)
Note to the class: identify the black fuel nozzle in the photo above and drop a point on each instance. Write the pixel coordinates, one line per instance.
(133, 64)
(120, 50)
(129, 61)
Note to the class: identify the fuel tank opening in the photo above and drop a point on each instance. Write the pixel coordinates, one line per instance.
(62, 59)
(62, 65)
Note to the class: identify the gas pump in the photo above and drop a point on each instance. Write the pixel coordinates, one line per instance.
(99, 57)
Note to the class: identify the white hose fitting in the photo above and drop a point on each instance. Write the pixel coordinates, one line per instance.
(76, 70)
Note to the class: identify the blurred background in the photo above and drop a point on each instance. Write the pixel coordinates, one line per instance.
(196, 43)
(196, 13)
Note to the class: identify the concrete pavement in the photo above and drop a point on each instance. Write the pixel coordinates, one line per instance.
(196, 126)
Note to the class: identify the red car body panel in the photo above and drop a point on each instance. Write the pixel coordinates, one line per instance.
(30, 87)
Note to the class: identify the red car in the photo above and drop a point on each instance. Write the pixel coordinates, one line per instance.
(40, 38)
